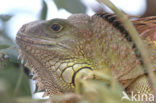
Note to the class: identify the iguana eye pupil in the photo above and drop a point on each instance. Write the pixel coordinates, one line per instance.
(56, 27)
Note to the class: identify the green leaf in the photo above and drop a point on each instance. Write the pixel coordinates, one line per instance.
(73, 6)
(12, 52)
(4, 46)
(4, 92)
(44, 10)
(14, 76)
(5, 18)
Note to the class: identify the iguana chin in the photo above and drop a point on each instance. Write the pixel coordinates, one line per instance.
(60, 51)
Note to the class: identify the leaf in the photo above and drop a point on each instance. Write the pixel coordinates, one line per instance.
(6, 17)
(73, 6)
(4, 46)
(4, 91)
(44, 10)
(12, 52)
(11, 74)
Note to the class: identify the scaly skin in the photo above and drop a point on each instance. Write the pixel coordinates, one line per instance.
(60, 51)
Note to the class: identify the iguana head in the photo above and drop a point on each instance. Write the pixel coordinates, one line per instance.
(54, 50)
(61, 34)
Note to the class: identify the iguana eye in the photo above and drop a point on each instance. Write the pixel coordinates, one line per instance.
(56, 27)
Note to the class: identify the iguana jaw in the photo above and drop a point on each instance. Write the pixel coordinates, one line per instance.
(40, 74)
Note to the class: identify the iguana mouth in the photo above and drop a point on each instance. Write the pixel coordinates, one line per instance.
(37, 42)
(21, 37)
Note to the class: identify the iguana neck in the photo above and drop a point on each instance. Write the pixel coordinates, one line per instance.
(112, 49)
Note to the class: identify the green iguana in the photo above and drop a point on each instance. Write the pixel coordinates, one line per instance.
(60, 51)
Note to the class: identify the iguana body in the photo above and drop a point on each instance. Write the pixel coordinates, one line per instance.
(59, 51)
